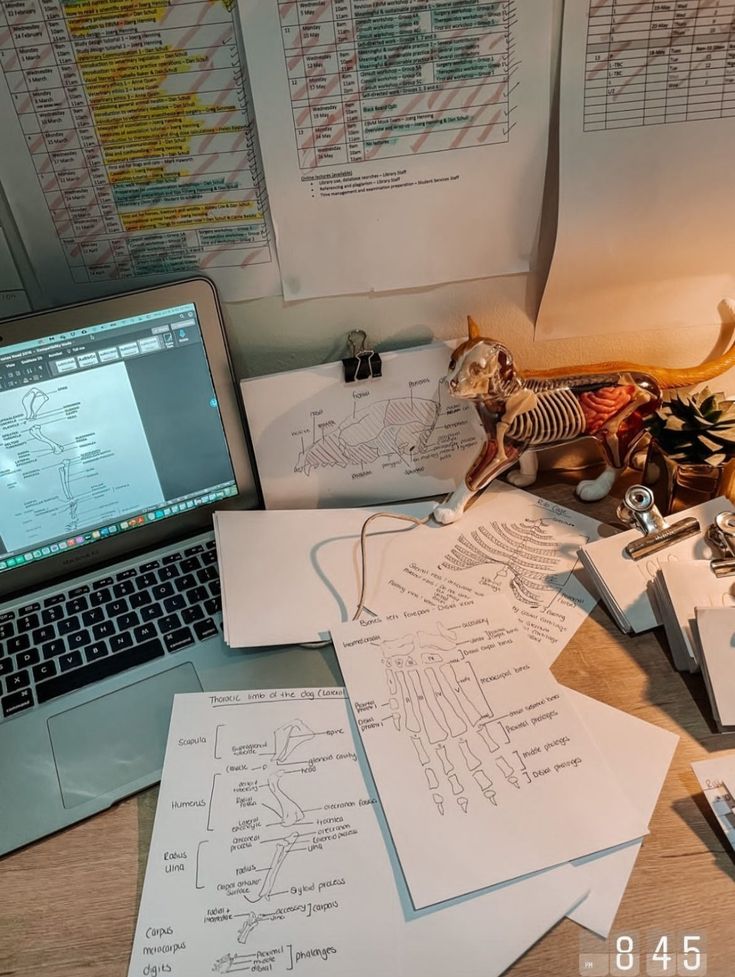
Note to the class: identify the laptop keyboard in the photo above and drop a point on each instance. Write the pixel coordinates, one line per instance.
(106, 626)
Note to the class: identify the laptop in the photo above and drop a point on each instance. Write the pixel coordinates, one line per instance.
(120, 433)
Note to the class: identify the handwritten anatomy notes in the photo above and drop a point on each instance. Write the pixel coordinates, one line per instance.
(469, 736)
(509, 543)
(321, 441)
(270, 855)
(412, 136)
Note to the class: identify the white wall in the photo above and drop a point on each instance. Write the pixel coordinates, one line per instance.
(268, 335)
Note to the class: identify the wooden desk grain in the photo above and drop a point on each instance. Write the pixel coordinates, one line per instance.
(68, 903)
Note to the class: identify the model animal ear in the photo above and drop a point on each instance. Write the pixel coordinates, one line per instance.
(473, 330)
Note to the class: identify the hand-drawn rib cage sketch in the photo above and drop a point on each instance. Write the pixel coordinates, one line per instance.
(401, 426)
(437, 701)
(527, 550)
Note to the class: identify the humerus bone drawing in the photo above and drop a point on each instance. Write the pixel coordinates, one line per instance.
(522, 412)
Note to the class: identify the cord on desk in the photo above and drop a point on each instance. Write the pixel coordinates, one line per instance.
(363, 562)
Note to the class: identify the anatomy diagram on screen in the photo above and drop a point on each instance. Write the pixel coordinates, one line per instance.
(73, 455)
(528, 556)
(436, 700)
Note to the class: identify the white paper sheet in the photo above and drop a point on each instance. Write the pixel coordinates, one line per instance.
(645, 186)
(681, 586)
(640, 754)
(66, 457)
(469, 735)
(508, 544)
(275, 585)
(320, 441)
(624, 582)
(717, 780)
(716, 628)
(129, 149)
(408, 141)
(270, 854)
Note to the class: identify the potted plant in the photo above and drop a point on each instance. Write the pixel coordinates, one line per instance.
(691, 456)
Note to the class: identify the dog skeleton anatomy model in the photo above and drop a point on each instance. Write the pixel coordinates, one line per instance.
(521, 413)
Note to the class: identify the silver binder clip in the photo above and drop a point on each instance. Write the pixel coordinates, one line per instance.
(639, 511)
(721, 535)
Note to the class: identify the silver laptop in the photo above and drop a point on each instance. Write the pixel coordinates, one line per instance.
(119, 435)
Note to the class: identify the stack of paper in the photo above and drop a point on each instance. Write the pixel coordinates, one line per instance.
(677, 589)
(717, 780)
(624, 583)
(271, 852)
(509, 544)
(716, 630)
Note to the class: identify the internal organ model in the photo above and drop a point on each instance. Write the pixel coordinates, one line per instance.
(522, 412)
(401, 426)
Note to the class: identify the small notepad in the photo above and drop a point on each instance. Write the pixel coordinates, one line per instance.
(625, 584)
(716, 632)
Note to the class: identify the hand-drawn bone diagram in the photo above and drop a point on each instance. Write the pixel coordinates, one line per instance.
(527, 553)
(399, 427)
(292, 835)
(436, 700)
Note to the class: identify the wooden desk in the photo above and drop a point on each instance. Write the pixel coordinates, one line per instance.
(68, 903)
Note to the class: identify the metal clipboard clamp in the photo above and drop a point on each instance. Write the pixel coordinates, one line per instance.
(721, 536)
(639, 511)
(363, 363)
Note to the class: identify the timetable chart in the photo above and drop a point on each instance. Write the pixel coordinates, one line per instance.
(660, 61)
(374, 79)
(137, 122)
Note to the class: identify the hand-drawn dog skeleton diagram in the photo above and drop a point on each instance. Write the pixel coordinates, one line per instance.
(437, 701)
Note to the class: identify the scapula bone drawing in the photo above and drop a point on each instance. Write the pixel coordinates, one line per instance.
(287, 737)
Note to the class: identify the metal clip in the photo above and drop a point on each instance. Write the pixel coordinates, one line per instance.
(364, 363)
(639, 511)
(721, 536)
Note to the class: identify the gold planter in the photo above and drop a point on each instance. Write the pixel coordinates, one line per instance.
(676, 486)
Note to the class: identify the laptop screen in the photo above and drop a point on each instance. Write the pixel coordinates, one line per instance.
(105, 429)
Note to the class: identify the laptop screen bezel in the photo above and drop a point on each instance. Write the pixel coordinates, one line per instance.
(200, 292)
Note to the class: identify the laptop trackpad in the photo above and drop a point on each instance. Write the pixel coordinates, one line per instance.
(115, 740)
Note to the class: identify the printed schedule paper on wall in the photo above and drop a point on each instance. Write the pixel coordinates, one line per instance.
(646, 135)
(408, 137)
(129, 146)
(470, 737)
(271, 855)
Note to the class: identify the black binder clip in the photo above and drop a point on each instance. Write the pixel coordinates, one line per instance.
(721, 536)
(364, 363)
(639, 511)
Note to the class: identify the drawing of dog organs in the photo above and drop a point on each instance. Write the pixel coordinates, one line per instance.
(435, 698)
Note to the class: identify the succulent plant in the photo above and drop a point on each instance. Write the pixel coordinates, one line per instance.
(696, 428)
